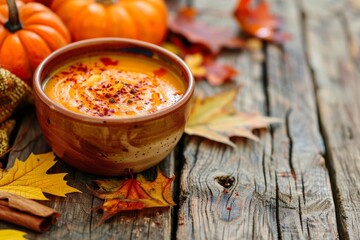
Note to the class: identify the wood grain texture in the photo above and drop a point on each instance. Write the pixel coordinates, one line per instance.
(308, 210)
(333, 39)
(78, 216)
(266, 201)
(247, 208)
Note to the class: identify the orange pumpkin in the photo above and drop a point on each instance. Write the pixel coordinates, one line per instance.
(28, 33)
(138, 19)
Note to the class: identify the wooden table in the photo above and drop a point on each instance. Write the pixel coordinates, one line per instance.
(301, 181)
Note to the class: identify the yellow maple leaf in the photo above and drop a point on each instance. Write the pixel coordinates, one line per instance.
(29, 179)
(12, 234)
(216, 119)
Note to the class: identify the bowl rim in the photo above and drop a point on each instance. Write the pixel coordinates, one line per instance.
(38, 89)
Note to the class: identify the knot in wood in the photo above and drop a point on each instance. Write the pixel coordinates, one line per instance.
(225, 181)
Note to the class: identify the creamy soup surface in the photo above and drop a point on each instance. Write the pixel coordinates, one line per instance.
(115, 86)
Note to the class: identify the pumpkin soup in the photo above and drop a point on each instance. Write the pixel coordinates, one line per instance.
(115, 86)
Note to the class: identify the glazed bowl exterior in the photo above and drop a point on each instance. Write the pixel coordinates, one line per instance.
(111, 146)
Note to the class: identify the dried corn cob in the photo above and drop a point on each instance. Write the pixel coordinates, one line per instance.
(5, 131)
(13, 91)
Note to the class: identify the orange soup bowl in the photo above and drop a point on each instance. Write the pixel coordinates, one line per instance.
(124, 113)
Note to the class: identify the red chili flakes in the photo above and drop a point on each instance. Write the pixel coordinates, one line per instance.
(160, 72)
(82, 68)
(108, 61)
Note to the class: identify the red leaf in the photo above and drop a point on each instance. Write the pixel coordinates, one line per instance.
(218, 74)
(259, 21)
(207, 67)
(214, 39)
(133, 194)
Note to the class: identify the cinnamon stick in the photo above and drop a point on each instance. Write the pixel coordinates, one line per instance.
(27, 213)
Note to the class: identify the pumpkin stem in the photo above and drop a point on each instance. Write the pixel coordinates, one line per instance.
(13, 24)
(106, 2)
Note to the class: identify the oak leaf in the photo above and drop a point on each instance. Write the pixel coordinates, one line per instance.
(12, 234)
(258, 21)
(184, 23)
(133, 194)
(29, 179)
(216, 119)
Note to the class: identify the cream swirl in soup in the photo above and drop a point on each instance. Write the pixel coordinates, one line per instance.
(115, 86)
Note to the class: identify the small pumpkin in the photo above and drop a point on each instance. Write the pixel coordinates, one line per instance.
(138, 19)
(28, 33)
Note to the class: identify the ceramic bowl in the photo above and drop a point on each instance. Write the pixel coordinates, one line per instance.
(111, 146)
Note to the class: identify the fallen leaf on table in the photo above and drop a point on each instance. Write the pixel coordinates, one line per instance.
(29, 179)
(133, 194)
(259, 21)
(216, 119)
(12, 234)
(218, 73)
(197, 32)
(208, 68)
(196, 64)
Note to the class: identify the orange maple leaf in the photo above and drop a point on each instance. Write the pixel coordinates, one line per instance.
(259, 21)
(133, 194)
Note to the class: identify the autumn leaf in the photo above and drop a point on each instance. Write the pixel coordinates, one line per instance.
(133, 194)
(218, 73)
(216, 119)
(210, 69)
(29, 179)
(185, 23)
(259, 21)
(195, 63)
(12, 234)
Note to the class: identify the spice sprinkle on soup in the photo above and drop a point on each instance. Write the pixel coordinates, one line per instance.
(115, 86)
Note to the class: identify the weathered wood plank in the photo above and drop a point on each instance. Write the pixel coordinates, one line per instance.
(306, 209)
(265, 201)
(245, 209)
(78, 221)
(333, 37)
